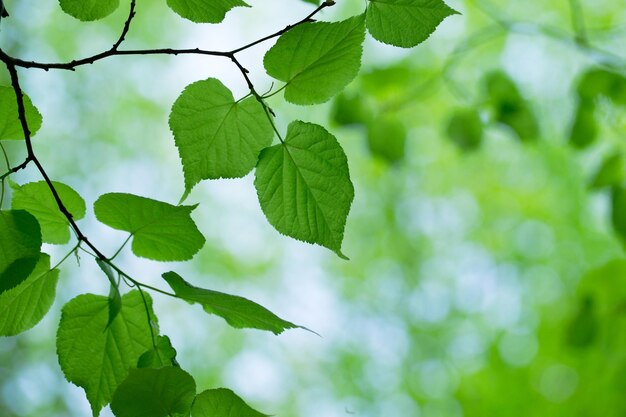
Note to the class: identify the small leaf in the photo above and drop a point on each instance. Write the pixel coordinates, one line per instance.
(217, 137)
(150, 392)
(10, 126)
(23, 306)
(304, 186)
(350, 110)
(20, 247)
(161, 231)
(37, 199)
(584, 130)
(89, 10)
(115, 298)
(465, 129)
(405, 23)
(386, 138)
(163, 354)
(317, 60)
(611, 173)
(510, 108)
(96, 357)
(222, 402)
(204, 11)
(239, 312)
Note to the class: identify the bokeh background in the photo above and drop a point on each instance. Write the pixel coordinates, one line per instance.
(481, 282)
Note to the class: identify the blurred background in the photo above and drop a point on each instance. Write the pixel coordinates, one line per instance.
(487, 273)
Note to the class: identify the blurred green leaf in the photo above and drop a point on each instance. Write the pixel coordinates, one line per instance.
(304, 186)
(97, 357)
(350, 110)
(149, 392)
(583, 328)
(386, 138)
(161, 231)
(20, 246)
(405, 23)
(23, 306)
(618, 210)
(465, 129)
(239, 312)
(222, 402)
(611, 172)
(584, 128)
(10, 126)
(37, 199)
(596, 82)
(324, 67)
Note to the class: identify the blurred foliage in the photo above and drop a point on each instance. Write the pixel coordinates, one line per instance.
(481, 283)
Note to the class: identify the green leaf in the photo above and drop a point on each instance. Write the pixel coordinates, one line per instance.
(405, 23)
(20, 247)
(611, 172)
(23, 306)
(239, 312)
(386, 138)
(161, 231)
(163, 354)
(10, 126)
(204, 11)
(37, 199)
(465, 129)
(618, 211)
(115, 298)
(222, 402)
(317, 60)
(600, 82)
(350, 110)
(304, 186)
(510, 108)
(584, 130)
(89, 10)
(217, 137)
(96, 357)
(583, 328)
(150, 392)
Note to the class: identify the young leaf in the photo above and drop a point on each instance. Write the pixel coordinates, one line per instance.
(163, 354)
(304, 186)
(465, 129)
(239, 312)
(37, 199)
(89, 10)
(96, 357)
(222, 402)
(10, 126)
(20, 247)
(217, 137)
(386, 138)
(150, 392)
(204, 11)
(317, 60)
(161, 231)
(405, 23)
(23, 306)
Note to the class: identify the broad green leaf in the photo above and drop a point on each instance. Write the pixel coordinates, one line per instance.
(88, 10)
(386, 138)
(465, 129)
(612, 172)
(150, 392)
(163, 354)
(37, 199)
(23, 306)
(584, 130)
(239, 312)
(510, 108)
(217, 137)
(304, 186)
(204, 11)
(95, 357)
(405, 23)
(222, 402)
(350, 110)
(115, 298)
(317, 60)
(10, 126)
(161, 231)
(20, 247)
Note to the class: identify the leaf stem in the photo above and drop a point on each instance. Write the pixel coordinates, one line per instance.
(121, 247)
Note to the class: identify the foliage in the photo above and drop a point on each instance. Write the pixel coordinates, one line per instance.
(110, 345)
